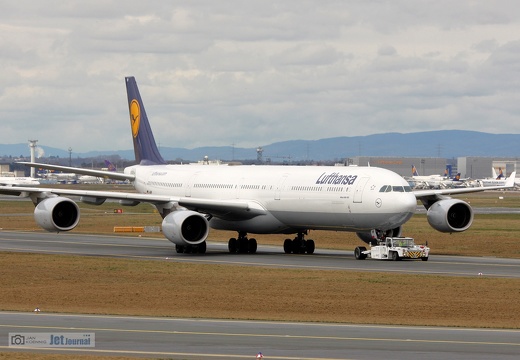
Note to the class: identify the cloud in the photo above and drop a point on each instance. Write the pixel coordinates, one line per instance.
(252, 73)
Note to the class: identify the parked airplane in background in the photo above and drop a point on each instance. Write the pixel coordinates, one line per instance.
(91, 179)
(370, 201)
(60, 177)
(18, 181)
(415, 175)
(496, 180)
(434, 181)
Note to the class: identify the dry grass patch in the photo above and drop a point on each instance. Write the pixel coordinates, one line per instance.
(19, 215)
(115, 286)
(490, 235)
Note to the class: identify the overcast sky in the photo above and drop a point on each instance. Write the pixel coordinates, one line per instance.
(250, 73)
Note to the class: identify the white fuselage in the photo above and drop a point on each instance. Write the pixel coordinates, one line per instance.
(492, 182)
(89, 179)
(18, 181)
(294, 197)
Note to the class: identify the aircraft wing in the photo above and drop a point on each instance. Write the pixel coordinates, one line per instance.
(237, 209)
(430, 196)
(98, 173)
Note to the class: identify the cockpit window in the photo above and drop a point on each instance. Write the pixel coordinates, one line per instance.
(390, 188)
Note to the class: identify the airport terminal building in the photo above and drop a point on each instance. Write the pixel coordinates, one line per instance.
(480, 167)
(469, 167)
(402, 165)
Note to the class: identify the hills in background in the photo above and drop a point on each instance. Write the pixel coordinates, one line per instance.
(444, 144)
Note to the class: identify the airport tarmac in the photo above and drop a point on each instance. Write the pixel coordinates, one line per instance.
(207, 338)
(141, 248)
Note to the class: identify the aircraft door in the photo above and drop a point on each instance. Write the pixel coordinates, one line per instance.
(358, 192)
(239, 188)
(189, 185)
(279, 187)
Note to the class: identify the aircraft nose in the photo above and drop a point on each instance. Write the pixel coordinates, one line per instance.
(404, 203)
(409, 202)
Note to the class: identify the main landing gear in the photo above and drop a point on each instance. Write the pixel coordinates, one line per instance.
(242, 245)
(298, 245)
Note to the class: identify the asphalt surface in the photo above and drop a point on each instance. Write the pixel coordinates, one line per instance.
(140, 248)
(200, 338)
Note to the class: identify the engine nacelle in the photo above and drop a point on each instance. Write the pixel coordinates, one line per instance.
(57, 214)
(185, 227)
(371, 237)
(451, 215)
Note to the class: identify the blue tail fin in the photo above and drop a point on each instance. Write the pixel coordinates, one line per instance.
(145, 148)
(110, 166)
(414, 171)
(447, 172)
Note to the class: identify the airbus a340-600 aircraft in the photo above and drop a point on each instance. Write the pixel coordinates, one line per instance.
(370, 201)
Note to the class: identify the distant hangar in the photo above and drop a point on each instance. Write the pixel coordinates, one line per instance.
(469, 167)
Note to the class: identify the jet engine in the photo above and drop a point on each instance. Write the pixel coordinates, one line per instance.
(371, 237)
(185, 227)
(57, 214)
(450, 215)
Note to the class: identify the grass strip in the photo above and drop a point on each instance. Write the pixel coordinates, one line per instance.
(74, 284)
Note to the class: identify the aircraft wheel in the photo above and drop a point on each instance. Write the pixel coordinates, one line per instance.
(296, 246)
(201, 248)
(232, 245)
(179, 249)
(310, 246)
(252, 245)
(242, 246)
(287, 246)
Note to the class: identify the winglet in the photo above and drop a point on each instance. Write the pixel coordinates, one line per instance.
(145, 148)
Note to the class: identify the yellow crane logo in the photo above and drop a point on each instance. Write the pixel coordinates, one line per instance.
(135, 117)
